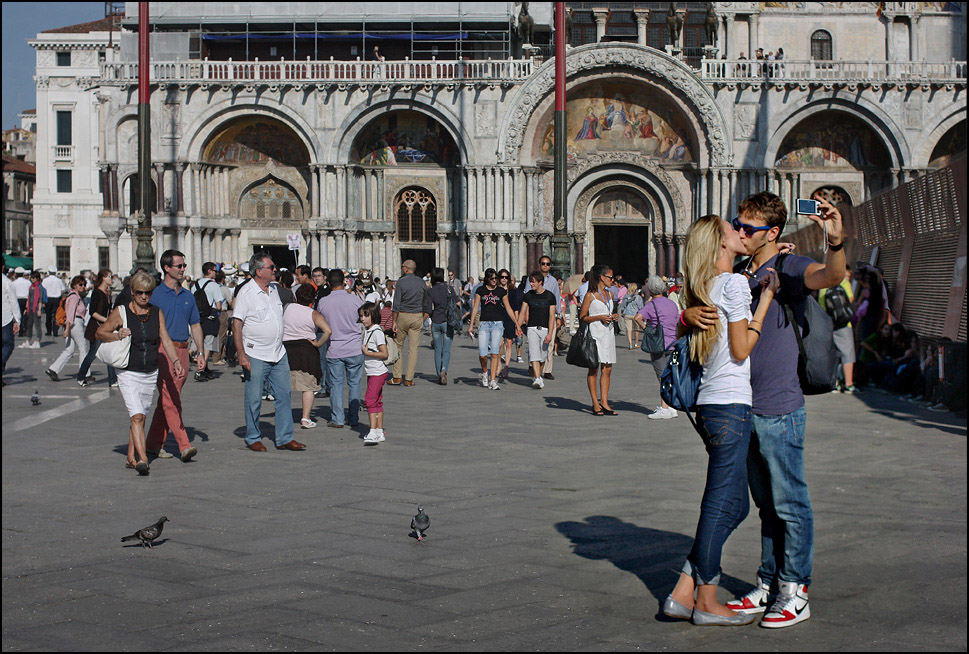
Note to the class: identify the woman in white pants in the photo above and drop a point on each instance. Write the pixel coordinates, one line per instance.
(73, 328)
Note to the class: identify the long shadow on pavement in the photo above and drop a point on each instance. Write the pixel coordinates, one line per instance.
(653, 555)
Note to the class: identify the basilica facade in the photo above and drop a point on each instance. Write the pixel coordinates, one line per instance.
(374, 153)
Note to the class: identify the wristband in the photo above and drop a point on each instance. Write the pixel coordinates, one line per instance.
(681, 320)
(754, 329)
(835, 248)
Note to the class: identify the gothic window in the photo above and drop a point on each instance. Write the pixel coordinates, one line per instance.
(416, 214)
(287, 211)
(261, 210)
(821, 46)
(270, 200)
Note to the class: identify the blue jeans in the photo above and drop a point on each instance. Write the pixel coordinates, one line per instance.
(725, 503)
(325, 379)
(7, 344)
(349, 369)
(775, 466)
(89, 359)
(442, 337)
(277, 375)
(490, 334)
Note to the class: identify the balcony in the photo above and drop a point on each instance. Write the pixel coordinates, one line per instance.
(62, 153)
(299, 73)
(815, 73)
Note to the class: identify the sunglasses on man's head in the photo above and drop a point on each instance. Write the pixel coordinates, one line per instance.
(748, 230)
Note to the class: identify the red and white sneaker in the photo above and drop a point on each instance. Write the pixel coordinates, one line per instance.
(756, 601)
(790, 608)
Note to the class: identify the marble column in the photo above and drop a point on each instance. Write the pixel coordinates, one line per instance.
(115, 191)
(159, 187)
(341, 193)
(702, 193)
(227, 207)
(482, 195)
(195, 244)
(914, 45)
(579, 254)
(642, 20)
(671, 260)
(734, 192)
(179, 194)
(600, 16)
(516, 257)
(315, 191)
(113, 237)
(660, 255)
(715, 193)
(753, 39)
(474, 248)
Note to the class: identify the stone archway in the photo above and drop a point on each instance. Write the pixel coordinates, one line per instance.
(619, 216)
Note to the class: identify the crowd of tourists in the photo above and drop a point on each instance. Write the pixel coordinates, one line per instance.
(342, 334)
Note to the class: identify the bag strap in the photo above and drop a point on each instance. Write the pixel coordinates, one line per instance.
(788, 312)
(676, 387)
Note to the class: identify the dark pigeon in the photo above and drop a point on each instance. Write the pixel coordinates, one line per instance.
(148, 534)
(420, 523)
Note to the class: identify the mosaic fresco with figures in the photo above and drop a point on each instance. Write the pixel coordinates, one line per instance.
(403, 138)
(613, 116)
(834, 140)
(256, 141)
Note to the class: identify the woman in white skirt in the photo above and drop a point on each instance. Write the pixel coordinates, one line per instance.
(599, 311)
(146, 327)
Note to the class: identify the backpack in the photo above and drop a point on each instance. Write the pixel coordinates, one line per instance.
(453, 311)
(60, 317)
(393, 352)
(817, 365)
(202, 301)
(838, 306)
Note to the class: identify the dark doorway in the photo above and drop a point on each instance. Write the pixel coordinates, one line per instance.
(624, 248)
(425, 259)
(282, 256)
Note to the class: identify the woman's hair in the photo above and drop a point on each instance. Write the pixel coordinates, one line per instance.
(595, 275)
(102, 274)
(489, 273)
(437, 276)
(305, 295)
(78, 279)
(536, 276)
(141, 281)
(504, 271)
(703, 242)
(655, 285)
(631, 288)
(370, 309)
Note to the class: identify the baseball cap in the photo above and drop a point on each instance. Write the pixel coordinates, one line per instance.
(51, 269)
(19, 270)
(244, 267)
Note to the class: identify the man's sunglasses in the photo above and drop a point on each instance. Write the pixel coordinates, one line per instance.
(748, 230)
(179, 266)
(545, 263)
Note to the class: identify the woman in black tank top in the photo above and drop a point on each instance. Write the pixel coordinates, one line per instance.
(146, 327)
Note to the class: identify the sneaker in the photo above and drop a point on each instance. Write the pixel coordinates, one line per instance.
(160, 454)
(790, 607)
(756, 601)
(484, 379)
(671, 412)
(371, 438)
(24, 345)
(306, 423)
(541, 383)
(938, 408)
(53, 375)
(113, 384)
(269, 397)
(380, 436)
(82, 383)
(493, 386)
(659, 414)
(35, 345)
(537, 382)
(208, 374)
(187, 454)
(199, 377)
(519, 360)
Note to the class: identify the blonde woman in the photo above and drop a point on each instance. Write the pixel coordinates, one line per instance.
(146, 327)
(723, 411)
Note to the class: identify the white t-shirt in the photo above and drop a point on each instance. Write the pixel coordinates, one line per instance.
(20, 287)
(55, 287)
(373, 338)
(726, 380)
(212, 291)
(261, 313)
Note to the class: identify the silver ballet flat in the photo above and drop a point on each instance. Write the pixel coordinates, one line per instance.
(703, 619)
(674, 609)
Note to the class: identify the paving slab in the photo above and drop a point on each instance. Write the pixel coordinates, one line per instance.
(550, 528)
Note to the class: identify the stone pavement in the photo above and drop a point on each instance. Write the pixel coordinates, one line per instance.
(550, 528)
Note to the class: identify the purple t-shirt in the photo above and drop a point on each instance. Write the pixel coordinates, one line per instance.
(340, 310)
(773, 361)
(668, 314)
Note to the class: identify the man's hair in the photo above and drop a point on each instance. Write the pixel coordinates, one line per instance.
(208, 267)
(335, 278)
(409, 265)
(318, 269)
(219, 277)
(257, 261)
(372, 310)
(536, 276)
(767, 207)
(286, 279)
(304, 270)
(168, 257)
(35, 275)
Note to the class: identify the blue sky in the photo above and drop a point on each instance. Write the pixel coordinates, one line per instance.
(22, 21)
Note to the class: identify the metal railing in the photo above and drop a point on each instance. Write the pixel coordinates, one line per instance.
(242, 72)
(817, 71)
(62, 153)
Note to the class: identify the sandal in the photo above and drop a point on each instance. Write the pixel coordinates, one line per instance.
(130, 465)
(142, 468)
(598, 412)
(609, 412)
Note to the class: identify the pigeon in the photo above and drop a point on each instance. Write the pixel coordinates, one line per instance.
(35, 398)
(420, 523)
(148, 534)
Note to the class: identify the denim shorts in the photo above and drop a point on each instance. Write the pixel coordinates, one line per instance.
(489, 337)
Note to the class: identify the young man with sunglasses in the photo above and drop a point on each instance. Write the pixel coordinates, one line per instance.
(551, 285)
(182, 321)
(775, 462)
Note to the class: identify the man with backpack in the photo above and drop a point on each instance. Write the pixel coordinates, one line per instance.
(208, 300)
(775, 462)
(836, 301)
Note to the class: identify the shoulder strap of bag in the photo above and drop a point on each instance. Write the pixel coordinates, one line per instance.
(788, 312)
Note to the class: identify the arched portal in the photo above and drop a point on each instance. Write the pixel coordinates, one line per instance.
(404, 138)
(620, 220)
(951, 145)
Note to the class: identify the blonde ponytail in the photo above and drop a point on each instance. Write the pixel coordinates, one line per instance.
(703, 242)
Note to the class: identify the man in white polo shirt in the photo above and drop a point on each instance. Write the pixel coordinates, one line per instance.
(55, 289)
(258, 332)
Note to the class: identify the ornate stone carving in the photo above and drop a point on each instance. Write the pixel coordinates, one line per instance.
(745, 121)
(667, 70)
(631, 159)
(582, 205)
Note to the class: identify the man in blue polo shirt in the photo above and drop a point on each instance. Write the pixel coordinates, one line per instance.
(181, 319)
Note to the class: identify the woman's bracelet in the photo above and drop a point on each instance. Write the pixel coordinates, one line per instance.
(835, 248)
(681, 319)
(754, 329)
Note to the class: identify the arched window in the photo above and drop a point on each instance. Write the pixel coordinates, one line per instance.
(416, 214)
(821, 46)
(287, 211)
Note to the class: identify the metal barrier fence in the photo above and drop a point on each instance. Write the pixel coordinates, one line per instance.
(916, 234)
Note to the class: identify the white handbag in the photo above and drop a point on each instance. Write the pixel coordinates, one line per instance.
(116, 353)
